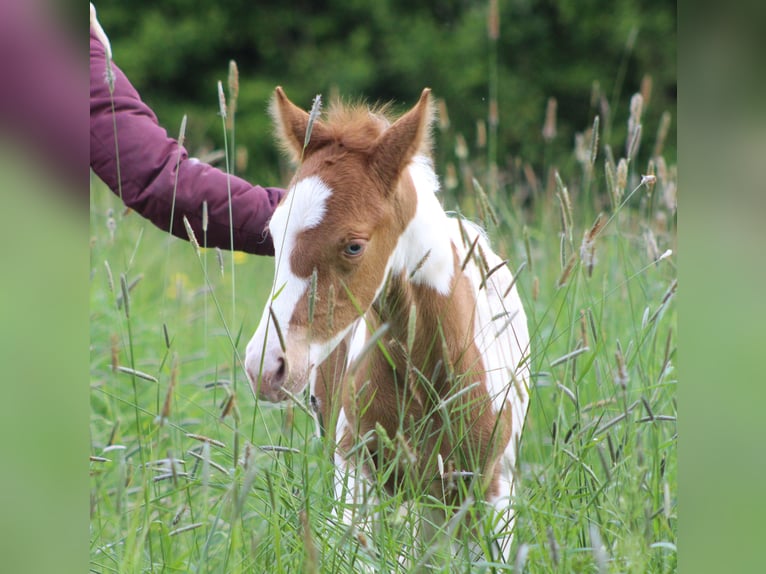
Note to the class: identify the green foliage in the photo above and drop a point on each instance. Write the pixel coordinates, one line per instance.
(176, 51)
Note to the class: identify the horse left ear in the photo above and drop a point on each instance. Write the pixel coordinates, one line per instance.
(408, 136)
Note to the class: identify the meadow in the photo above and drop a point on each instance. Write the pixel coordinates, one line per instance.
(189, 473)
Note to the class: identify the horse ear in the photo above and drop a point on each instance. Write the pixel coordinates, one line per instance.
(408, 136)
(291, 124)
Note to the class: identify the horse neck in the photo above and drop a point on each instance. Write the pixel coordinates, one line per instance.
(425, 274)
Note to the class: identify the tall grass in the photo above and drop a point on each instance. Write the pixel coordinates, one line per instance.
(188, 473)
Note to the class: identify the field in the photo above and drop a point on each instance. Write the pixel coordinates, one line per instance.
(190, 473)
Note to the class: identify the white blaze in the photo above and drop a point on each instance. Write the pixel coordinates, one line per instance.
(303, 209)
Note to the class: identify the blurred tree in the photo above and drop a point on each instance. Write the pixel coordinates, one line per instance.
(176, 51)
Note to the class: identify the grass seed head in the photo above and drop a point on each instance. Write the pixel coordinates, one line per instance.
(549, 127)
(662, 133)
(182, 132)
(493, 21)
(461, 149)
(621, 376)
(622, 178)
(190, 233)
(221, 101)
(646, 89)
(481, 134)
(233, 92)
(442, 115)
(115, 352)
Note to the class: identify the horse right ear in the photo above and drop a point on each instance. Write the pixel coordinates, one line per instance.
(291, 124)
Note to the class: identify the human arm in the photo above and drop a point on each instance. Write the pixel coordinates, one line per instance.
(157, 176)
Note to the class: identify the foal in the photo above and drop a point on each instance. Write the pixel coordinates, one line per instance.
(437, 400)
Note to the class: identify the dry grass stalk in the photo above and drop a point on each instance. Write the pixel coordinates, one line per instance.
(481, 134)
(652, 251)
(316, 109)
(221, 101)
(532, 181)
(206, 439)
(419, 264)
(179, 513)
(233, 92)
(611, 183)
(594, 141)
(125, 295)
(634, 142)
(137, 373)
(131, 286)
(469, 254)
(666, 297)
(182, 131)
(566, 205)
(190, 233)
(493, 21)
(166, 335)
(569, 356)
(583, 328)
(567, 391)
(485, 204)
(588, 245)
(450, 177)
(212, 464)
(515, 277)
(549, 127)
(219, 258)
(662, 133)
(621, 376)
(490, 272)
(185, 528)
(443, 115)
(165, 413)
(634, 125)
(278, 329)
(229, 406)
(461, 148)
(646, 89)
(564, 277)
(622, 180)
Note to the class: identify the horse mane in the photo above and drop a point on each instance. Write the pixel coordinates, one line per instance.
(354, 125)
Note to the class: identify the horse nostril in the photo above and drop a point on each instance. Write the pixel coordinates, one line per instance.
(281, 369)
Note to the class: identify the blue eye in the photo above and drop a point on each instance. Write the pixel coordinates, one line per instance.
(353, 249)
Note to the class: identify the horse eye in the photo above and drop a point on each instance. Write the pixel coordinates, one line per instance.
(353, 249)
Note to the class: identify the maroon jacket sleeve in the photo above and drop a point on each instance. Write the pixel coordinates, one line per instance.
(152, 165)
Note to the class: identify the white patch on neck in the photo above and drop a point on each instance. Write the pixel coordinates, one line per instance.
(428, 231)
